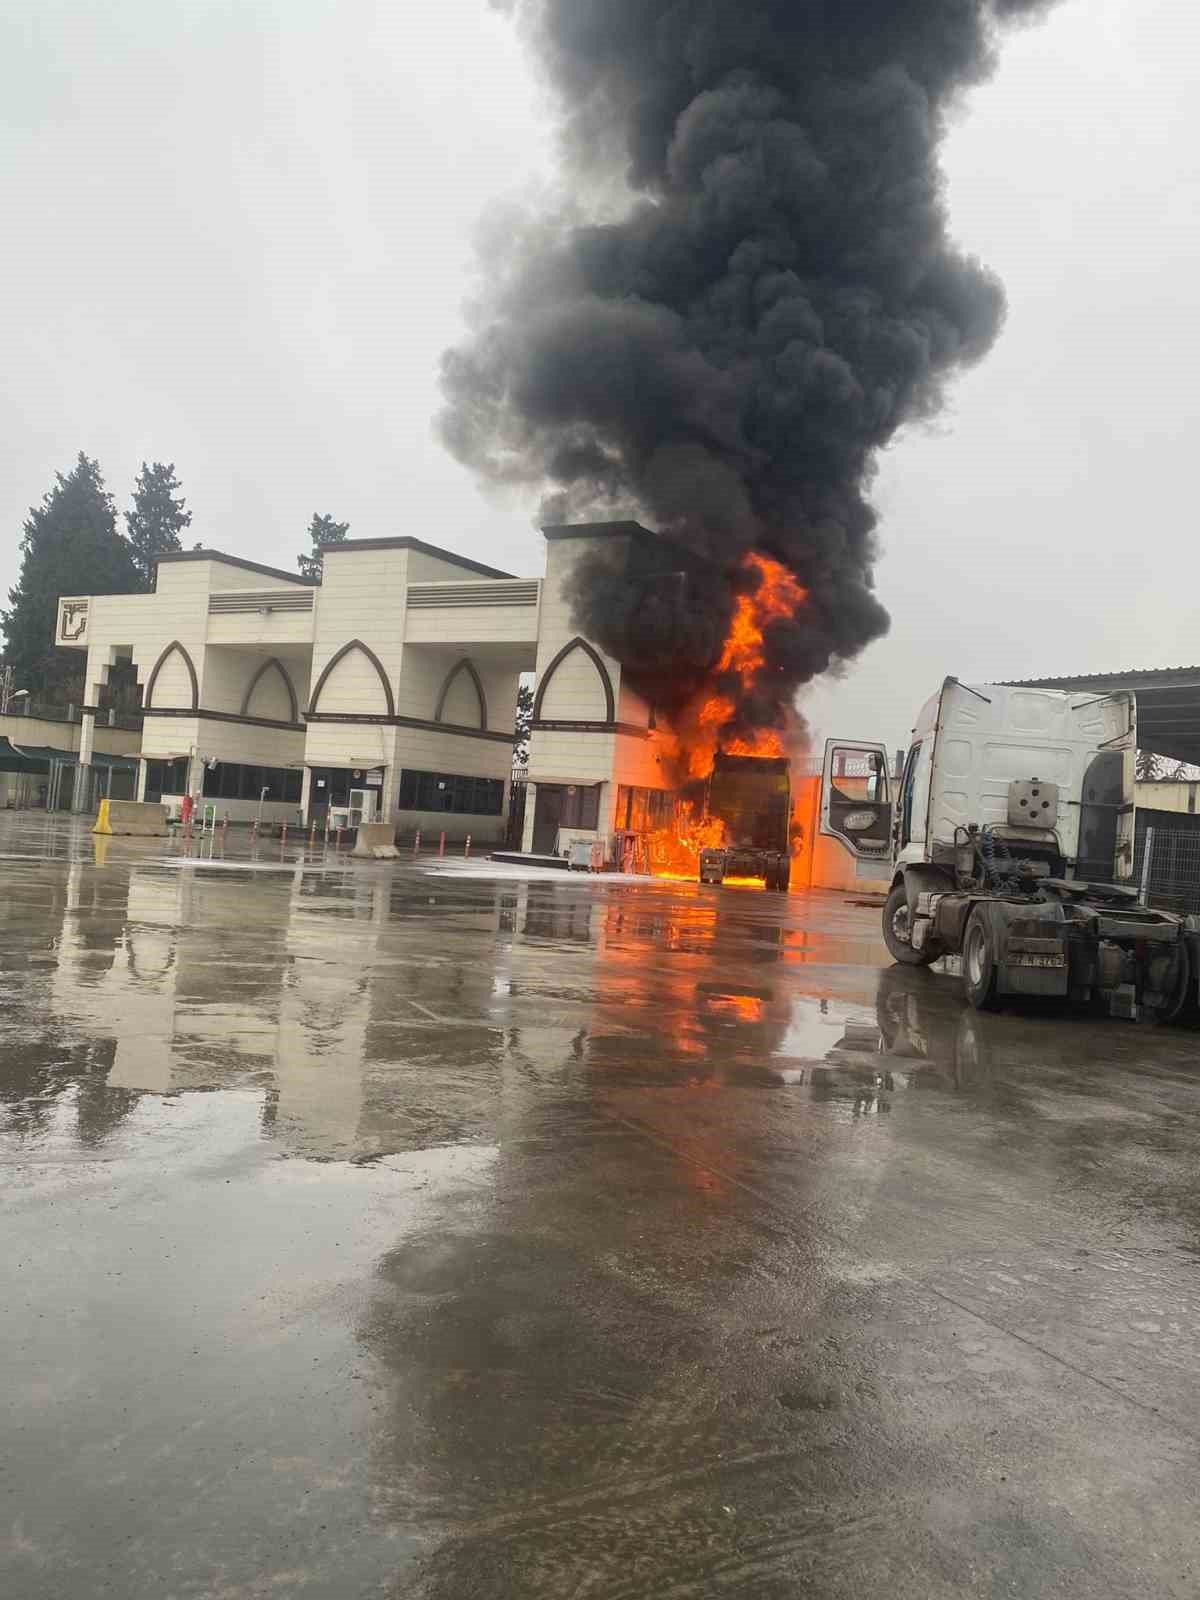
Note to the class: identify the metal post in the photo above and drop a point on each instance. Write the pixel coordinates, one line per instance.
(467, 851)
(337, 840)
(1146, 854)
(441, 845)
(283, 834)
(312, 835)
(417, 845)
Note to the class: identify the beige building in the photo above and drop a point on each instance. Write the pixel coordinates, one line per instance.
(396, 676)
(596, 759)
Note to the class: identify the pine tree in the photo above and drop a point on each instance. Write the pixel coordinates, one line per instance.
(321, 530)
(156, 519)
(524, 724)
(70, 546)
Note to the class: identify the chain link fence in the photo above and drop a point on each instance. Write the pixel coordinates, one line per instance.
(1166, 867)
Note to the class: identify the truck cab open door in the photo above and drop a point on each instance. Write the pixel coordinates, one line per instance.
(856, 803)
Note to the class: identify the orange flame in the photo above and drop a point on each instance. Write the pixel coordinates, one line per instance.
(778, 595)
(699, 729)
(675, 851)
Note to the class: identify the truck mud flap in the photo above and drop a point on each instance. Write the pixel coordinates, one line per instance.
(1033, 958)
(1033, 965)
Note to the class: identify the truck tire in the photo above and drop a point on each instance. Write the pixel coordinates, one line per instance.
(980, 967)
(1181, 1003)
(895, 931)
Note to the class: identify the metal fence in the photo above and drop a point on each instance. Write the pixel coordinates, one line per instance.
(67, 711)
(1167, 868)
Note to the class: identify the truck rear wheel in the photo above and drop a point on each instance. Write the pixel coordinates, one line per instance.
(979, 965)
(1180, 1004)
(895, 931)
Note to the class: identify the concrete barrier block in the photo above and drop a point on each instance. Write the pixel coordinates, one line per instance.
(376, 840)
(138, 819)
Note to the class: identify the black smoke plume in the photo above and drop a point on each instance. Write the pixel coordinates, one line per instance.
(755, 290)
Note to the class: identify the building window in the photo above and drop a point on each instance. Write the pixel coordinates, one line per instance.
(166, 777)
(644, 810)
(448, 791)
(233, 780)
(580, 806)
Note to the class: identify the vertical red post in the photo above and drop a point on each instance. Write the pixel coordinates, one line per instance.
(337, 839)
(441, 845)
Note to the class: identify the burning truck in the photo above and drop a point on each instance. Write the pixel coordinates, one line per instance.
(751, 797)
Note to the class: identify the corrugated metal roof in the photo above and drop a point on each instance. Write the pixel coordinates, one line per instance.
(1131, 675)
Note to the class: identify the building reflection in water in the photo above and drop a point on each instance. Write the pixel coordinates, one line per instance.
(379, 1013)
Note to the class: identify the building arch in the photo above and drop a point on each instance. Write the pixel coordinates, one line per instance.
(264, 668)
(577, 643)
(174, 648)
(340, 655)
(465, 667)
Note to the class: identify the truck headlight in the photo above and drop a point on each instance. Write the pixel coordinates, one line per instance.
(856, 821)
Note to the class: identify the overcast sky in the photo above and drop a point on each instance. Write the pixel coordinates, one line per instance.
(240, 234)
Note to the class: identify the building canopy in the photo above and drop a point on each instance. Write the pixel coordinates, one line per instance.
(37, 758)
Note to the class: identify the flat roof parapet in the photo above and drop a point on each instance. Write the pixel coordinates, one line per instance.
(234, 561)
(597, 530)
(348, 546)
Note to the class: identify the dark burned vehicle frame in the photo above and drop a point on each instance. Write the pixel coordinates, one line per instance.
(752, 796)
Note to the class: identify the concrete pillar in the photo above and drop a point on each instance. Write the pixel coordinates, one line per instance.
(606, 805)
(87, 736)
(143, 766)
(305, 794)
(81, 795)
(391, 788)
(530, 809)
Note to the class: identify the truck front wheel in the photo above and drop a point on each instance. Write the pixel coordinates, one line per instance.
(896, 931)
(979, 966)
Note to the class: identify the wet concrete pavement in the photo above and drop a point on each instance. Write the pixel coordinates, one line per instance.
(376, 1233)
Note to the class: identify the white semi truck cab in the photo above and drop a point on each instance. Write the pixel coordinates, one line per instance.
(1012, 846)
